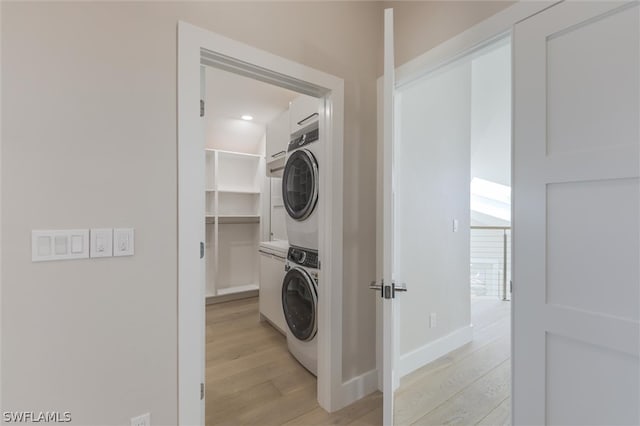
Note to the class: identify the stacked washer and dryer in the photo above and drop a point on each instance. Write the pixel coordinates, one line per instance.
(300, 180)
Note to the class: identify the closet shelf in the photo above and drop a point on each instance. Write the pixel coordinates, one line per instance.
(235, 154)
(236, 191)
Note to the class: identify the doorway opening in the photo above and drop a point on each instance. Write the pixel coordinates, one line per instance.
(451, 222)
(250, 368)
(242, 205)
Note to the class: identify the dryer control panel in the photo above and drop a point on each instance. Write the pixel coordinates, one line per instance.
(304, 136)
(304, 257)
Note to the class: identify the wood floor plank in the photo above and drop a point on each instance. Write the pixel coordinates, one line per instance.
(227, 368)
(357, 410)
(253, 376)
(225, 407)
(293, 381)
(241, 348)
(499, 416)
(432, 390)
(372, 418)
(469, 406)
(485, 312)
(219, 312)
(281, 410)
(223, 331)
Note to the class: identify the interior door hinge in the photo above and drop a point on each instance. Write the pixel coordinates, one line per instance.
(201, 107)
(201, 250)
(201, 391)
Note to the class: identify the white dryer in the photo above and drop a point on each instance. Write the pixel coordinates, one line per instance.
(300, 180)
(300, 306)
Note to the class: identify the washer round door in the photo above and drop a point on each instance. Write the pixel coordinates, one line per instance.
(300, 184)
(299, 303)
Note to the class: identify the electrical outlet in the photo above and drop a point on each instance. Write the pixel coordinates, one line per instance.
(142, 420)
(432, 320)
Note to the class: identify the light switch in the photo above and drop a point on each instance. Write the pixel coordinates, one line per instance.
(77, 244)
(59, 244)
(44, 246)
(102, 242)
(123, 242)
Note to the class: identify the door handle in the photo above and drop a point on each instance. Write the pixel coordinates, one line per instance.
(400, 287)
(315, 114)
(389, 291)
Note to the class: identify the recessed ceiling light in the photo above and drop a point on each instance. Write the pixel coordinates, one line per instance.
(247, 117)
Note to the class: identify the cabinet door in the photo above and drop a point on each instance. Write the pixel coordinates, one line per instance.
(277, 137)
(303, 111)
(270, 300)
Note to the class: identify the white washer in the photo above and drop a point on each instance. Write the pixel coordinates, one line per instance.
(300, 180)
(300, 306)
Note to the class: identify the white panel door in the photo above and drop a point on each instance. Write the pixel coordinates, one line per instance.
(576, 296)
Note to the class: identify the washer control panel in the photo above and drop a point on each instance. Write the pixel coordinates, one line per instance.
(304, 257)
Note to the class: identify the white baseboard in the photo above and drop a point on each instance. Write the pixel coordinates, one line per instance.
(431, 351)
(358, 387)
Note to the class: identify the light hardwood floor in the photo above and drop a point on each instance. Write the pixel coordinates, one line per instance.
(469, 386)
(253, 380)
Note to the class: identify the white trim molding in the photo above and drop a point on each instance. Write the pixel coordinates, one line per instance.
(422, 356)
(360, 386)
(196, 46)
(484, 32)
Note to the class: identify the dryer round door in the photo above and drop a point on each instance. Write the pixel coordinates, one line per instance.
(300, 184)
(299, 303)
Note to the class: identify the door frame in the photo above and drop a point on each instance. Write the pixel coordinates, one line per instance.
(474, 38)
(228, 54)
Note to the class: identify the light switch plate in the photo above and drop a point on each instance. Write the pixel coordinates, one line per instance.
(57, 244)
(102, 242)
(123, 243)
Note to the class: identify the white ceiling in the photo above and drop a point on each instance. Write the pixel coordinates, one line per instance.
(230, 96)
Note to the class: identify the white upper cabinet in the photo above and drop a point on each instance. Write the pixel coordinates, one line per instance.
(277, 137)
(303, 111)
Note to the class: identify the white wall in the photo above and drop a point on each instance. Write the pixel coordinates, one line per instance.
(432, 189)
(491, 115)
(422, 25)
(491, 132)
(89, 140)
